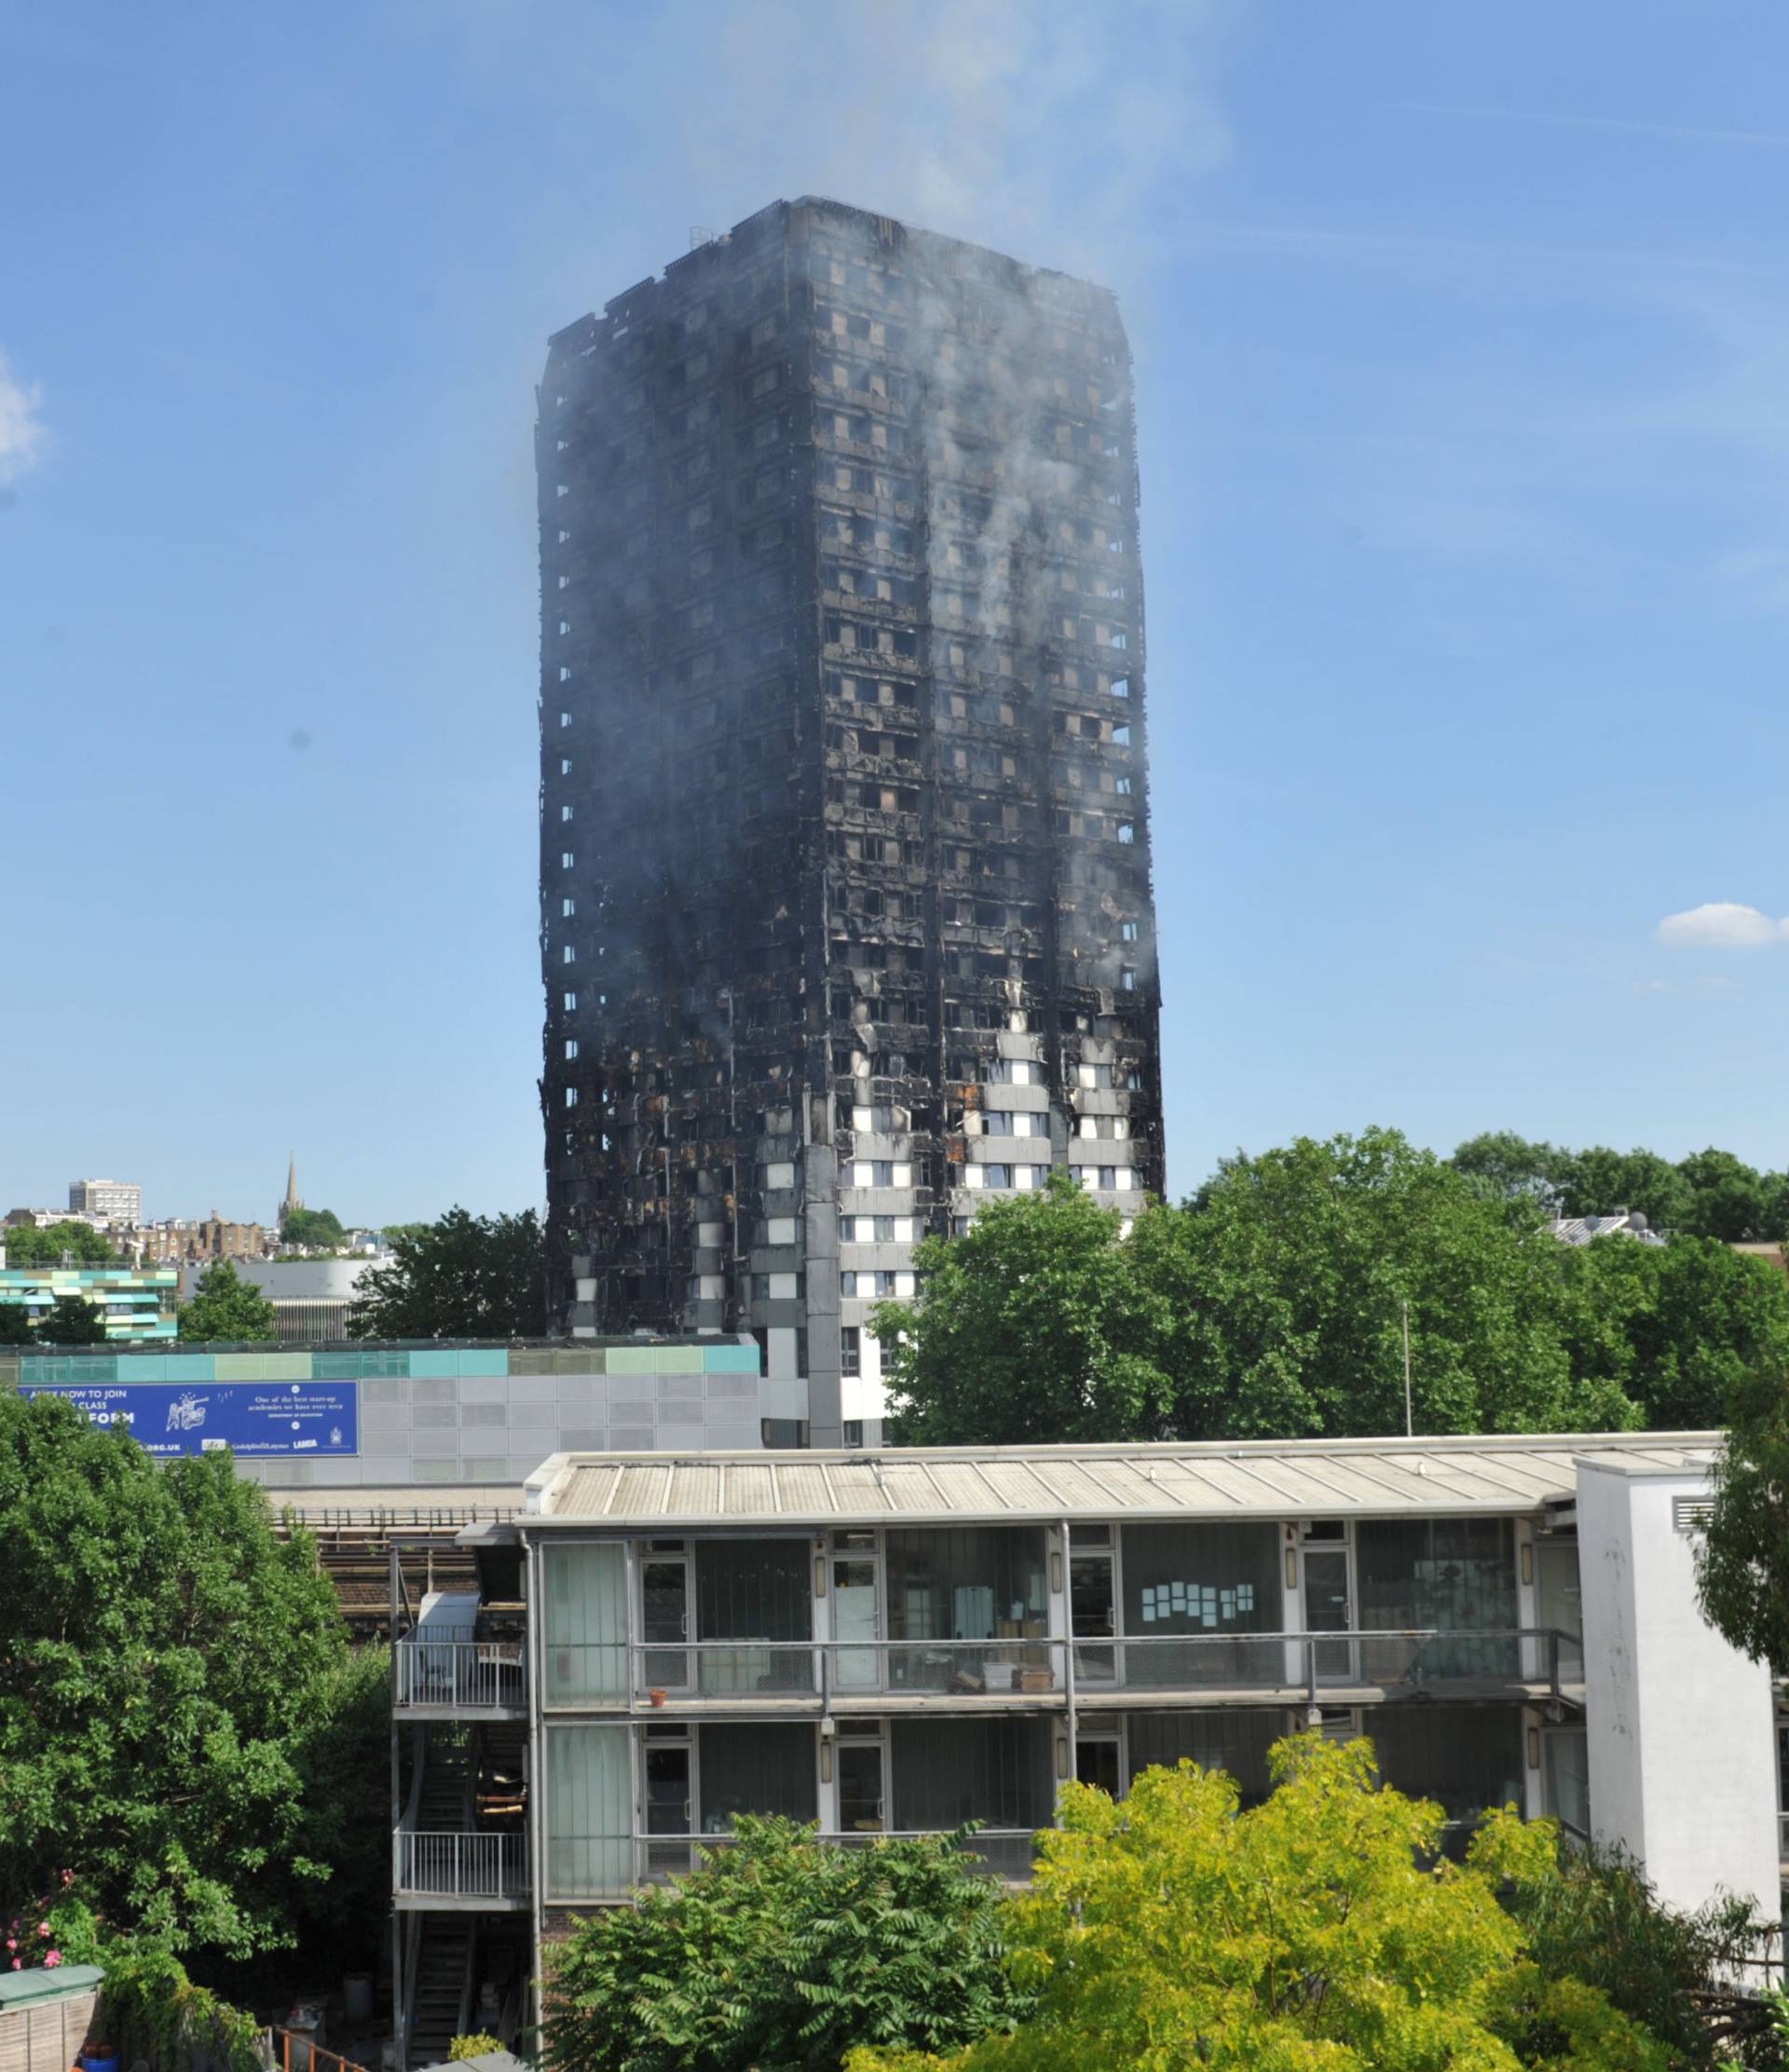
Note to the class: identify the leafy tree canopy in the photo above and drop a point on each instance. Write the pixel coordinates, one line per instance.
(226, 1308)
(1287, 1279)
(784, 1953)
(464, 1276)
(1177, 1930)
(1035, 1324)
(1588, 1913)
(1677, 1327)
(1743, 1558)
(319, 1229)
(15, 1323)
(72, 1320)
(28, 1245)
(183, 1731)
(1272, 1305)
(1710, 1193)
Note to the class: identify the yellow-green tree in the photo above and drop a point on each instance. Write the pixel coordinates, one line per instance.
(1316, 1932)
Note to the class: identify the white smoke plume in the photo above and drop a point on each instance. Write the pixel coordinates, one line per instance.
(23, 434)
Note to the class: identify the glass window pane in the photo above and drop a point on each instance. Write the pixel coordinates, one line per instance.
(1190, 1593)
(949, 1771)
(589, 1812)
(1233, 1741)
(756, 1767)
(586, 1623)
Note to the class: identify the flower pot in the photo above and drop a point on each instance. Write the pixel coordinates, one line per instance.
(655, 1698)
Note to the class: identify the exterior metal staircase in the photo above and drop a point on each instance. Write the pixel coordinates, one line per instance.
(440, 2000)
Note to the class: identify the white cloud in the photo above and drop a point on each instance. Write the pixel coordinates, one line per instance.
(1721, 924)
(23, 434)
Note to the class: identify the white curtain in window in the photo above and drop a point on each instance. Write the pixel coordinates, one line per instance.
(586, 1623)
(590, 1813)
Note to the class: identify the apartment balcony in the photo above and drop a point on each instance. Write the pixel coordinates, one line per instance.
(447, 1869)
(460, 1679)
(766, 1678)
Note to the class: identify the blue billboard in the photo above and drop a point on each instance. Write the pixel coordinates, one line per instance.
(204, 1417)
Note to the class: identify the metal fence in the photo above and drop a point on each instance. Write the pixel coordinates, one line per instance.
(1280, 1663)
(1271, 1665)
(1004, 1853)
(467, 1675)
(845, 1669)
(459, 1866)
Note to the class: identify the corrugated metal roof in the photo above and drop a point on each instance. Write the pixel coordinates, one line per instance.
(1304, 1478)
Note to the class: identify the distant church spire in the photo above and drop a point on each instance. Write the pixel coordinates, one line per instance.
(291, 1200)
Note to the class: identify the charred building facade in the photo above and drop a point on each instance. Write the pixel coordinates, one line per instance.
(846, 918)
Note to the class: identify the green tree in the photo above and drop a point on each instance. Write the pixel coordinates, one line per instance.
(72, 1320)
(1287, 1284)
(1743, 1557)
(1728, 1200)
(225, 1309)
(1176, 1931)
(15, 1324)
(1512, 1168)
(782, 1952)
(179, 1713)
(1678, 1328)
(464, 1276)
(317, 1229)
(1589, 1913)
(1598, 1182)
(1034, 1325)
(80, 1243)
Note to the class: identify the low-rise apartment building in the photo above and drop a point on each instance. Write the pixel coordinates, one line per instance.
(905, 1643)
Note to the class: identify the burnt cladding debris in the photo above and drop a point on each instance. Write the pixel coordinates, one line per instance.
(846, 918)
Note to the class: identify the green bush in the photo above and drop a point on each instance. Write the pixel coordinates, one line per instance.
(783, 1951)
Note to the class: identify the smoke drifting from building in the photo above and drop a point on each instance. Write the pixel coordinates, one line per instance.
(846, 920)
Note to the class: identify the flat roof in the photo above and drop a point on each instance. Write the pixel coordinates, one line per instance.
(1216, 1480)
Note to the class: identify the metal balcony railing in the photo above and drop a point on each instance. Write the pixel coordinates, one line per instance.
(1004, 1853)
(465, 1675)
(846, 1668)
(459, 1866)
(1417, 1659)
(835, 1672)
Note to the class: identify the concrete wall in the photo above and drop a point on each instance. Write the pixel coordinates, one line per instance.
(1680, 1724)
(471, 1413)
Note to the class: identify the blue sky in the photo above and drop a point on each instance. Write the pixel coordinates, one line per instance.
(1463, 352)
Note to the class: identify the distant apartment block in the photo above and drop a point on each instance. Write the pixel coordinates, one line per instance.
(207, 1239)
(138, 1300)
(119, 1201)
